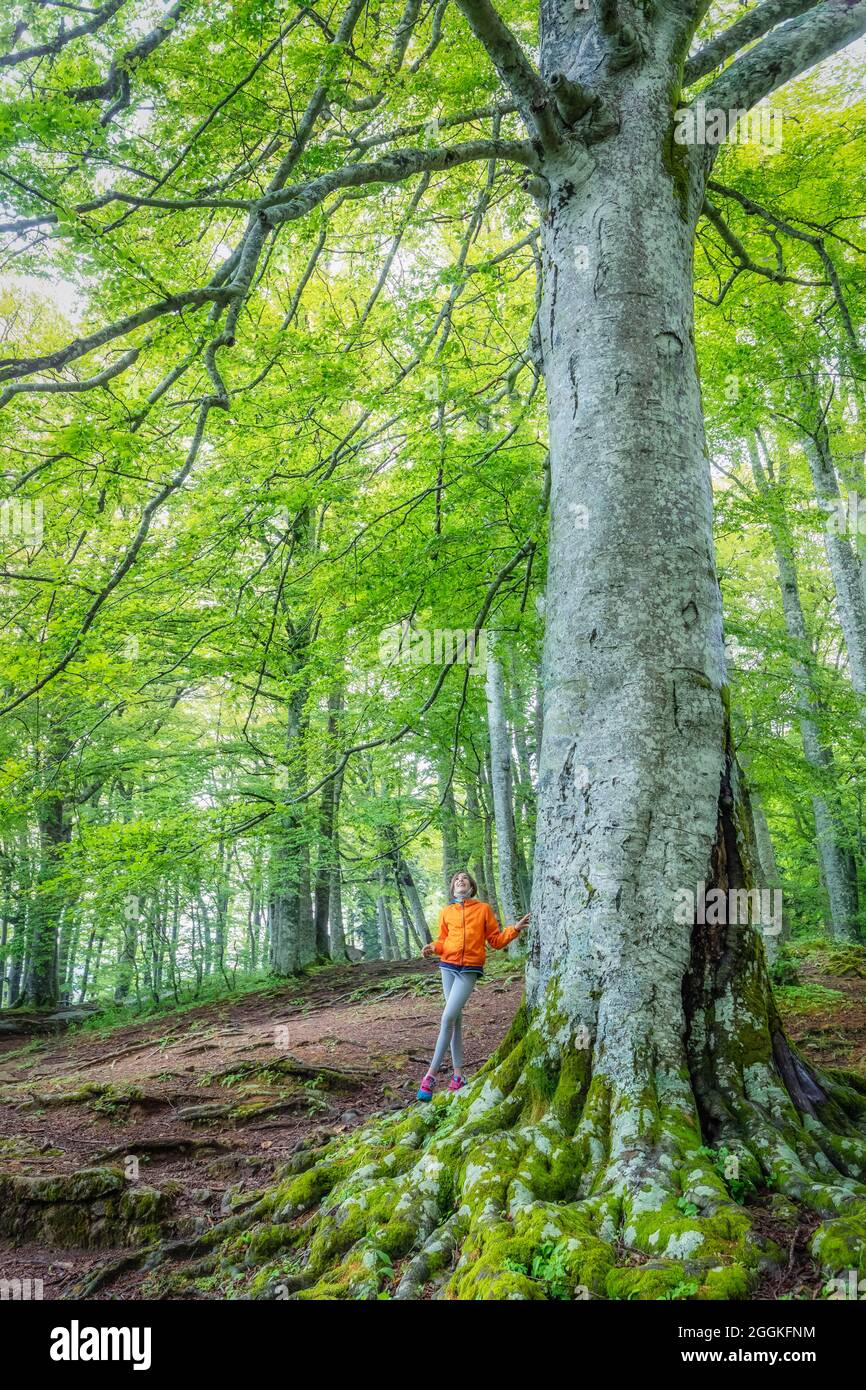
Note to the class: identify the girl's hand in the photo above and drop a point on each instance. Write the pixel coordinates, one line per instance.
(524, 922)
(428, 950)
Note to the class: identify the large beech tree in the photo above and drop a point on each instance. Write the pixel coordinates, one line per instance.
(642, 1042)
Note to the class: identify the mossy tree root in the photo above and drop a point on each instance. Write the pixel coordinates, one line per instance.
(549, 1180)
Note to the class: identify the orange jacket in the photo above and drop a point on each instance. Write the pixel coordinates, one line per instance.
(464, 929)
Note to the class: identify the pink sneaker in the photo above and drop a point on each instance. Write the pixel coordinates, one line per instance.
(425, 1090)
(457, 1083)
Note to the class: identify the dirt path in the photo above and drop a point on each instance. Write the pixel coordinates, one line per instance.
(208, 1102)
(211, 1100)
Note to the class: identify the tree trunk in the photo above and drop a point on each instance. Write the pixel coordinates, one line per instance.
(287, 869)
(838, 869)
(489, 872)
(501, 781)
(325, 861)
(406, 886)
(450, 830)
(648, 1042)
(476, 838)
(41, 980)
(766, 856)
(842, 555)
(336, 935)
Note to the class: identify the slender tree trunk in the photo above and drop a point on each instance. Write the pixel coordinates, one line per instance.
(336, 933)
(85, 973)
(838, 870)
(406, 885)
(489, 871)
(41, 981)
(327, 812)
(842, 555)
(476, 839)
(223, 899)
(501, 780)
(385, 947)
(450, 832)
(769, 869)
(286, 871)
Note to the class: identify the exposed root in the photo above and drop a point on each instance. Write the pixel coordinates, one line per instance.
(537, 1184)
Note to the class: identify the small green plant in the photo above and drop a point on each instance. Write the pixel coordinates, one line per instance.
(684, 1289)
(383, 1259)
(686, 1206)
(783, 971)
(739, 1188)
(547, 1268)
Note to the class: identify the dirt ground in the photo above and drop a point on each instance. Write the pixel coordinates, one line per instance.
(137, 1088)
(212, 1099)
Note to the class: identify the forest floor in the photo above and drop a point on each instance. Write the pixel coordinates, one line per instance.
(211, 1099)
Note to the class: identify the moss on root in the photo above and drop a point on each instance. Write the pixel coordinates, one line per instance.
(549, 1179)
(544, 1180)
(92, 1207)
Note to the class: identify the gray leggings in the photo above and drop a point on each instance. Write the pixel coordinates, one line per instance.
(457, 990)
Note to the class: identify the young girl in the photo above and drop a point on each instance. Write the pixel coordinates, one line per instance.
(464, 927)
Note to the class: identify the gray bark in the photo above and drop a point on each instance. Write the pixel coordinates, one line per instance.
(842, 557)
(325, 861)
(386, 946)
(837, 866)
(336, 934)
(502, 786)
(450, 834)
(634, 749)
(489, 872)
(770, 876)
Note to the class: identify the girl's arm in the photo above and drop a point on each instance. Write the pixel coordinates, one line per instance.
(497, 937)
(438, 945)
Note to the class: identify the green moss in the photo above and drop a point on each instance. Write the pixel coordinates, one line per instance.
(305, 1190)
(515, 1035)
(840, 1245)
(726, 1282)
(571, 1088)
(675, 158)
(252, 1247)
(646, 1282)
(397, 1237)
(446, 1191)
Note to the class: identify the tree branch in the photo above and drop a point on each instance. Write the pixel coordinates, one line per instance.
(514, 68)
(291, 203)
(752, 26)
(62, 37)
(791, 49)
(757, 210)
(116, 84)
(283, 205)
(126, 562)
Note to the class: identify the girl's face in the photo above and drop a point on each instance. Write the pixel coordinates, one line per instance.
(461, 884)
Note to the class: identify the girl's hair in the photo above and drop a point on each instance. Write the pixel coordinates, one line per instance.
(471, 880)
